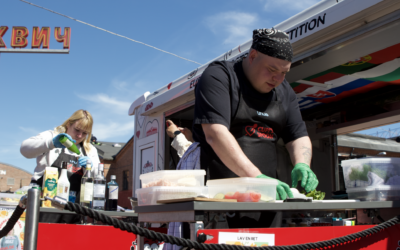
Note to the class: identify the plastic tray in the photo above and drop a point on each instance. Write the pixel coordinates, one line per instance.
(150, 196)
(9, 199)
(372, 171)
(375, 193)
(173, 178)
(243, 189)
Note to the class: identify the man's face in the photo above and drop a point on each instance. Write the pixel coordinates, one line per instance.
(266, 72)
(76, 132)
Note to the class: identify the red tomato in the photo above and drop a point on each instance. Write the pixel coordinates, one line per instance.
(236, 195)
(244, 197)
(255, 197)
(229, 195)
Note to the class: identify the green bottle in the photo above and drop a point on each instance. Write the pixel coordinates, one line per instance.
(69, 144)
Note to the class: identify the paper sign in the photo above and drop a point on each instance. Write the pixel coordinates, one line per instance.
(15, 238)
(246, 239)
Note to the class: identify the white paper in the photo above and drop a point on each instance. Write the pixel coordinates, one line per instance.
(246, 239)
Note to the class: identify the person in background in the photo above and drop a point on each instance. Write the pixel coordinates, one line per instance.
(182, 137)
(182, 140)
(11, 241)
(49, 152)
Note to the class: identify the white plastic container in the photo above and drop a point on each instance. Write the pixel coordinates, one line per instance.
(9, 199)
(173, 178)
(366, 172)
(375, 193)
(243, 189)
(150, 195)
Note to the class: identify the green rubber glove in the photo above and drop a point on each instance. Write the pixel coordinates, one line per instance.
(282, 189)
(302, 172)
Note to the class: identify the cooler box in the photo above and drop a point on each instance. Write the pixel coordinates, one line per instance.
(150, 195)
(173, 178)
(372, 179)
(243, 189)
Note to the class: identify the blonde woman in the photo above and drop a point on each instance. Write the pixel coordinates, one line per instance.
(49, 152)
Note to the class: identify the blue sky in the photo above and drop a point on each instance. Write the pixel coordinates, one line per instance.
(104, 73)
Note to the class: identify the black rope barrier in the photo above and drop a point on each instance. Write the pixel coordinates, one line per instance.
(201, 246)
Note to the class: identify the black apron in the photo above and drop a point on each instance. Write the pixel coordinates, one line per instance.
(75, 174)
(256, 132)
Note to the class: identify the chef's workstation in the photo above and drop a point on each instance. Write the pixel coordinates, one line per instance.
(183, 196)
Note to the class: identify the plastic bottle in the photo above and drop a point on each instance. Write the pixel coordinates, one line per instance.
(63, 182)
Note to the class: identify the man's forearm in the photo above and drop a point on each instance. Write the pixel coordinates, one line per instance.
(228, 150)
(300, 150)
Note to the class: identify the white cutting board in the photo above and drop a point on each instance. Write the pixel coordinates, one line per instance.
(325, 201)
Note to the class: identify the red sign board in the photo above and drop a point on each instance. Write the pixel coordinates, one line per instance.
(67, 236)
(385, 239)
(40, 37)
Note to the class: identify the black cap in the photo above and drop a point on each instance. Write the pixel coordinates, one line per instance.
(273, 42)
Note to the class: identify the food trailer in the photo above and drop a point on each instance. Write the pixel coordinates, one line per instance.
(346, 75)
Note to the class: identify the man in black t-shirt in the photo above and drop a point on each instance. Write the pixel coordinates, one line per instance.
(243, 108)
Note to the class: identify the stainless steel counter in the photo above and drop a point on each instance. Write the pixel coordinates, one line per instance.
(192, 211)
(109, 213)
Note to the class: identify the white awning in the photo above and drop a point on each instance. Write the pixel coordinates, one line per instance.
(368, 142)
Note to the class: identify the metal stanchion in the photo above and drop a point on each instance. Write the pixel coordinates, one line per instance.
(32, 219)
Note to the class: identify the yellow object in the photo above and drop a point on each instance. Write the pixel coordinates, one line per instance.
(50, 180)
(3, 213)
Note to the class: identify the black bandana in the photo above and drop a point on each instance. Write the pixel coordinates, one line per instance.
(273, 42)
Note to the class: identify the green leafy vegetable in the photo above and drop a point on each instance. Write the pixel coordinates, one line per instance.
(316, 195)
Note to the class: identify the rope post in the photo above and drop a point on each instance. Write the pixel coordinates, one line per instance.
(32, 219)
(194, 227)
(140, 239)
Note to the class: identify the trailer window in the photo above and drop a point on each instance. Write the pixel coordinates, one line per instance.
(184, 119)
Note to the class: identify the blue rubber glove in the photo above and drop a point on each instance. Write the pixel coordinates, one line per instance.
(302, 172)
(282, 189)
(56, 140)
(83, 160)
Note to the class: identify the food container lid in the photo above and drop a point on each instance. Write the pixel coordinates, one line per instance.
(248, 181)
(367, 160)
(373, 188)
(387, 187)
(157, 174)
(172, 189)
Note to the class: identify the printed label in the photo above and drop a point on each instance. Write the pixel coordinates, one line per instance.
(62, 189)
(113, 193)
(67, 143)
(98, 203)
(88, 192)
(51, 184)
(99, 191)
